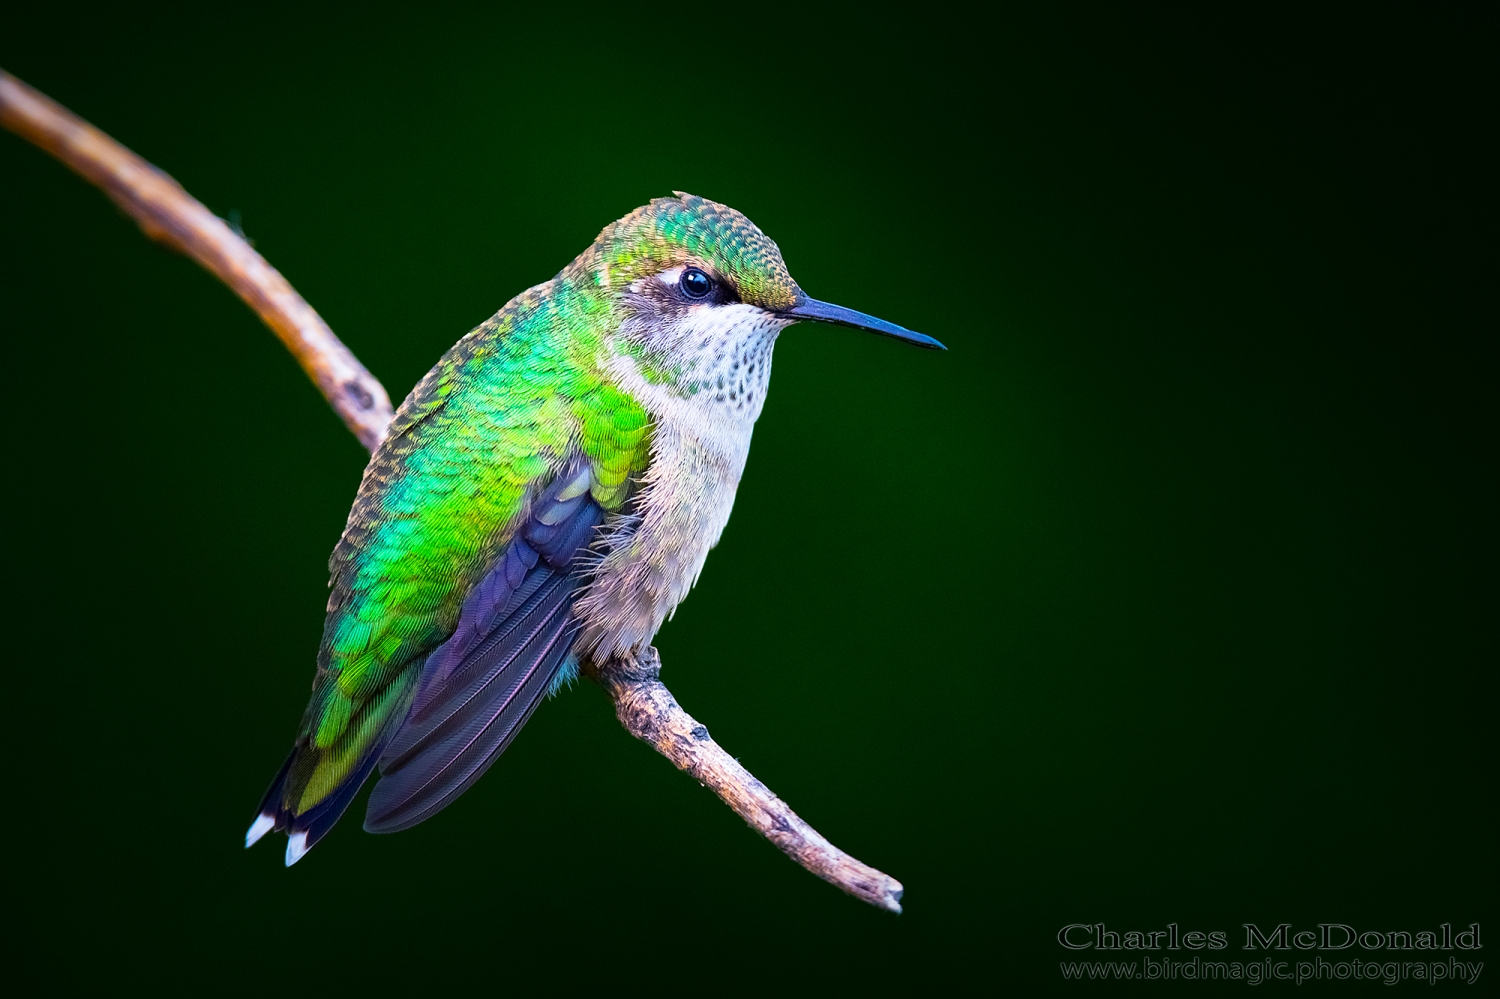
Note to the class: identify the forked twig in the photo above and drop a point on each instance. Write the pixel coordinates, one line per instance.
(643, 704)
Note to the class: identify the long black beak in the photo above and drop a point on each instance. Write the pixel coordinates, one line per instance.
(810, 310)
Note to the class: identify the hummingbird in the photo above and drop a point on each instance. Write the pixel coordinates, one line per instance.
(547, 494)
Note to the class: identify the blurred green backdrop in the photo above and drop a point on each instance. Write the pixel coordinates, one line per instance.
(1166, 595)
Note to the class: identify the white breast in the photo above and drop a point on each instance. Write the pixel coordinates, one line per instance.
(701, 438)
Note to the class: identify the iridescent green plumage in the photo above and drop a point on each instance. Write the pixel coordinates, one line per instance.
(551, 488)
(497, 416)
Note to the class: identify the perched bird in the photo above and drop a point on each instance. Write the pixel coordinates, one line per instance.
(547, 493)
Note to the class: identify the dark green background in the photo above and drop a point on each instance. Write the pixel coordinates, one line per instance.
(1167, 594)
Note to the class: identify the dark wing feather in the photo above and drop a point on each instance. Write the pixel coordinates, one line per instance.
(477, 689)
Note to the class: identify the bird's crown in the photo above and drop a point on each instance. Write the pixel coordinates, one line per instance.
(686, 229)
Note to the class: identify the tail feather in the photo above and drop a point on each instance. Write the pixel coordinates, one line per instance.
(278, 809)
(268, 817)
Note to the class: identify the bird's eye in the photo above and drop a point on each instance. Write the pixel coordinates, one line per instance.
(695, 283)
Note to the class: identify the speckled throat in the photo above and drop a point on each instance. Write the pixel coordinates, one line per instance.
(703, 410)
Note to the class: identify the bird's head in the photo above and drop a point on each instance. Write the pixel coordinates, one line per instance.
(700, 294)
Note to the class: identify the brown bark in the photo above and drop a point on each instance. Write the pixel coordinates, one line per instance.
(643, 704)
(170, 215)
(649, 712)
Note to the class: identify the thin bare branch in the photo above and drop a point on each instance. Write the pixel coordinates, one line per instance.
(644, 705)
(170, 215)
(649, 712)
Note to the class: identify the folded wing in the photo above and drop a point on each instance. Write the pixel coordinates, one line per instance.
(514, 639)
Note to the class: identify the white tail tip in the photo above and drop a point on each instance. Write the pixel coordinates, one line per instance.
(296, 847)
(259, 828)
